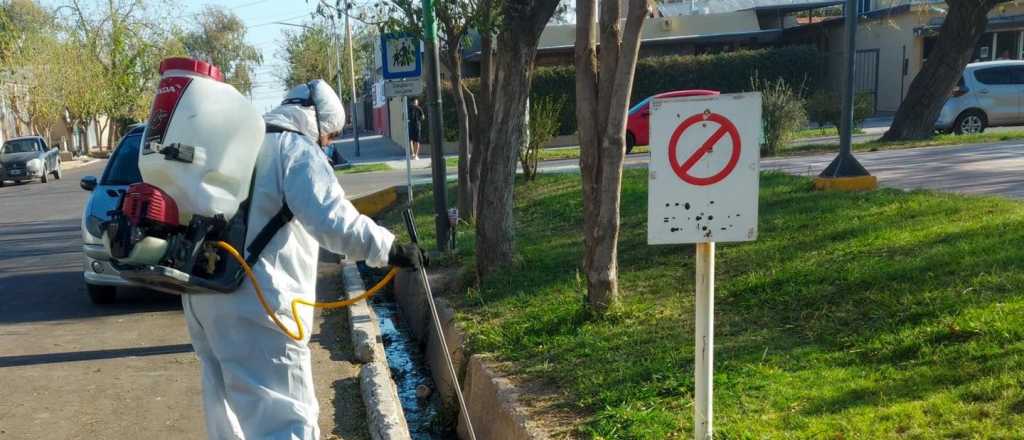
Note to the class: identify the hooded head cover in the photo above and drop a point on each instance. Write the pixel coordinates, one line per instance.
(312, 108)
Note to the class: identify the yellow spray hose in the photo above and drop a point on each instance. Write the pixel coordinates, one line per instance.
(295, 302)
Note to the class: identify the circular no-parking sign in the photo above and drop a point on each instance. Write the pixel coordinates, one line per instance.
(726, 127)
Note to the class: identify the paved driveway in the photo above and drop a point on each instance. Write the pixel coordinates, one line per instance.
(996, 169)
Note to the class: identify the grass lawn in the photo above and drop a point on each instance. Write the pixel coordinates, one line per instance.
(942, 139)
(821, 132)
(574, 152)
(855, 316)
(364, 168)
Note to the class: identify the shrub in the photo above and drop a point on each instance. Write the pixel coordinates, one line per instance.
(798, 66)
(544, 124)
(825, 108)
(782, 112)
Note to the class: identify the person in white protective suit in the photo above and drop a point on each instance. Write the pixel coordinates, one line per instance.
(257, 381)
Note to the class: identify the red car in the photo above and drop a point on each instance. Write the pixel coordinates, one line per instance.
(639, 119)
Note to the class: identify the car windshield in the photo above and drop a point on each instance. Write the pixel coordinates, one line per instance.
(639, 105)
(19, 146)
(123, 168)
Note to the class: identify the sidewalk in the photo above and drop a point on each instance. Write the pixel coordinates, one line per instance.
(372, 148)
(78, 163)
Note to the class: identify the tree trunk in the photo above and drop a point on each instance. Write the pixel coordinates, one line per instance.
(465, 197)
(523, 22)
(603, 85)
(484, 110)
(965, 23)
(111, 135)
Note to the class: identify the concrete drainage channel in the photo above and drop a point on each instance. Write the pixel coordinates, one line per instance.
(422, 408)
(395, 411)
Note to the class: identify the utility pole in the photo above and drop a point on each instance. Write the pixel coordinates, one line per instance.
(845, 172)
(351, 72)
(436, 134)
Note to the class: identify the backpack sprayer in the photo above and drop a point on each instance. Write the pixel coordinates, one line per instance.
(180, 230)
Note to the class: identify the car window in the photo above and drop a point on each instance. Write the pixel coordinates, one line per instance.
(995, 76)
(123, 168)
(1017, 74)
(19, 146)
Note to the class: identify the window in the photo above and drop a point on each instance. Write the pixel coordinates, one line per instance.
(995, 76)
(123, 168)
(19, 146)
(1006, 46)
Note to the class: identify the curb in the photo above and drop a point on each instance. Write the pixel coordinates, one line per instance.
(861, 183)
(385, 418)
(372, 204)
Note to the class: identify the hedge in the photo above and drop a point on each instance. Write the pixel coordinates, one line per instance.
(802, 67)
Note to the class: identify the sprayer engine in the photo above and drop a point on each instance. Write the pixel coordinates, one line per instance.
(150, 246)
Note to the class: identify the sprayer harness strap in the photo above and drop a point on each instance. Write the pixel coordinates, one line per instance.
(276, 222)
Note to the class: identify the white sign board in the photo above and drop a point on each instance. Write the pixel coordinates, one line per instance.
(704, 167)
(412, 87)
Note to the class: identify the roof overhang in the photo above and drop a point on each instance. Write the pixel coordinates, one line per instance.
(1002, 23)
(790, 8)
(765, 36)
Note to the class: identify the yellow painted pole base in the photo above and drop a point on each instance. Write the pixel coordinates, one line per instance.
(861, 183)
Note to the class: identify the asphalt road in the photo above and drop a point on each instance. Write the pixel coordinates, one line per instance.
(73, 370)
(990, 169)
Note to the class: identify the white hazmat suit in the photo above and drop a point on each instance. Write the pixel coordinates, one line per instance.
(257, 381)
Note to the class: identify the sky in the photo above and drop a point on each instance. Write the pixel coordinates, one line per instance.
(264, 34)
(260, 16)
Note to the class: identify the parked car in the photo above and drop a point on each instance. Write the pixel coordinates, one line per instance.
(638, 122)
(988, 95)
(28, 158)
(101, 279)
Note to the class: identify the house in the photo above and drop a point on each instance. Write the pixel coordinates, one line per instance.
(895, 38)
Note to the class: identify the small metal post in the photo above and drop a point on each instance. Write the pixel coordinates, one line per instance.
(408, 146)
(704, 342)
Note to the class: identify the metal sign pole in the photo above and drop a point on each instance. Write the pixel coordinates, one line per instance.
(408, 146)
(704, 347)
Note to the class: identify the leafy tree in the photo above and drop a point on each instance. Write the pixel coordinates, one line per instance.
(966, 21)
(601, 105)
(26, 43)
(219, 37)
(128, 38)
(521, 23)
(308, 54)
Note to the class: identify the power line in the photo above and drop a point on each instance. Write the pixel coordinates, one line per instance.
(280, 20)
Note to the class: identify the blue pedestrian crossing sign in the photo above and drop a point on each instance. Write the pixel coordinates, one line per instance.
(400, 56)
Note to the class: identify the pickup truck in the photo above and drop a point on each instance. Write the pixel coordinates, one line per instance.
(28, 158)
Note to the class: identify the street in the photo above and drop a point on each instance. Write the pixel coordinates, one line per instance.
(132, 359)
(990, 169)
(73, 370)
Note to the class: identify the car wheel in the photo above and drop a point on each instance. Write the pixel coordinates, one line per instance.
(970, 122)
(44, 179)
(58, 173)
(1, 183)
(101, 294)
(630, 142)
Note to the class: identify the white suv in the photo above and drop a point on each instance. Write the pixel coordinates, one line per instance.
(988, 94)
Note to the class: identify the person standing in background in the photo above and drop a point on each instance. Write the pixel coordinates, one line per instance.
(416, 118)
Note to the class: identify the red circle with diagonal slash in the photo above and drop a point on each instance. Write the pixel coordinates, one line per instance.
(726, 128)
